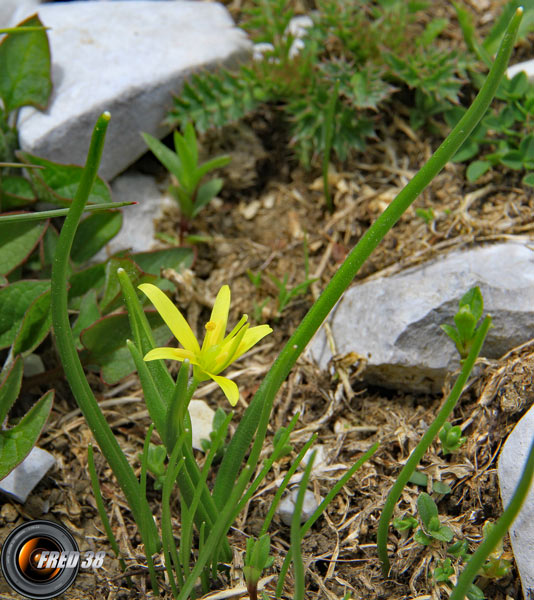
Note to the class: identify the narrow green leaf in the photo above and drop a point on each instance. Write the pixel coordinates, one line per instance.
(215, 163)
(35, 325)
(16, 443)
(15, 299)
(25, 73)
(206, 192)
(93, 233)
(166, 156)
(10, 387)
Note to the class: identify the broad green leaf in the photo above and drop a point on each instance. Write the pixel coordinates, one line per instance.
(443, 534)
(426, 507)
(93, 233)
(15, 192)
(476, 169)
(105, 342)
(513, 160)
(17, 442)
(17, 242)
(168, 258)
(418, 478)
(82, 281)
(528, 179)
(25, 73)
(10, 387)
(35, 325)
(473, 298)
(57, 183)
(441, 488)
(466, 151)
(15, 299)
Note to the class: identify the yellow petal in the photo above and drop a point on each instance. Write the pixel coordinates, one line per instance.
(228, 387)
(172, 317)
(170, 354)
(216, 326)
(252, 337)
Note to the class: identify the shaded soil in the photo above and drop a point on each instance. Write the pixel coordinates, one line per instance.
(269, 210)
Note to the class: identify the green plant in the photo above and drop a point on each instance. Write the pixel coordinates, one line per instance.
(240, 472)
(506, 136)
(431, 527)
(470, 310)
(348, 61)
(256, 560)
(451, 438)
(186, 188)
(415, 457)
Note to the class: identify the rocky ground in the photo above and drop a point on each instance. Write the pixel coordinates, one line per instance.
(269, 210)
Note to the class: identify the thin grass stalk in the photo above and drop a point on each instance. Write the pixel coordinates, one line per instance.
(67, 349)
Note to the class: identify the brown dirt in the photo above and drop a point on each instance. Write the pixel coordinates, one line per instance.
(268, 207)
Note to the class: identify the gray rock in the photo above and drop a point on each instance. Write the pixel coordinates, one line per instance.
(137, 231)
(26, 475)
(126, 58)
(393, 322)
(511, 463)
(286, 508)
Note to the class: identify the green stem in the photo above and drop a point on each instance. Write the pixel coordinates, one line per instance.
(498, 531)
(59, 212)
(257, 415)
(422, 446)
(67, 349)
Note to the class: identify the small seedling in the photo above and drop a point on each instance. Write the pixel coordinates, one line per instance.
(405, 524)
(495, 566)
(431, 527)
(426, 214)
(187, 173)
(444, 571)
(219, 419)
(256, 560)
(451, 438)
(156, 464)
(469, 313)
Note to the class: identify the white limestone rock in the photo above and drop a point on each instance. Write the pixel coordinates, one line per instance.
(394, 322)
(127, 58)
(511, 463)
(8, 8)
(201, 422)
(137, 231)
(26, 475)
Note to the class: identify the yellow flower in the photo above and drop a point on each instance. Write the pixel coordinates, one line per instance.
(217, 351)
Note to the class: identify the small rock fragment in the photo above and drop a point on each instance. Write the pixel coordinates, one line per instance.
(286, 507)
(25, 476)
(201, 422)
